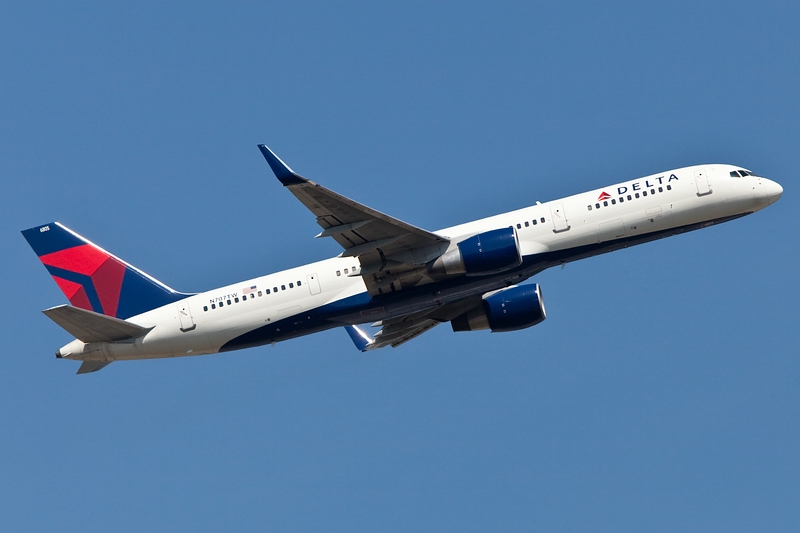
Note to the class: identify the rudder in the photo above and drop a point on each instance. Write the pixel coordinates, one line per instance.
(93, 279)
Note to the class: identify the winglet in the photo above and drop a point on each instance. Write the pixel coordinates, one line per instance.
(285, 175)
(359, 337)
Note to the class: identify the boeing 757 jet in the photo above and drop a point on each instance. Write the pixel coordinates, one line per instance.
(391, 274)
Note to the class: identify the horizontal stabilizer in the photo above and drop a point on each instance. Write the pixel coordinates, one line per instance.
(92, 366)
(89, 326)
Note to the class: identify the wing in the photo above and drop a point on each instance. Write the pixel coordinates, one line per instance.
(400, 330)
(382, 243)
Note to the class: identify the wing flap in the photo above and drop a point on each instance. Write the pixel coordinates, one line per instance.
(89, 326)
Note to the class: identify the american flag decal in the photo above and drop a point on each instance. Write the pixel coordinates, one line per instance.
(249, 290)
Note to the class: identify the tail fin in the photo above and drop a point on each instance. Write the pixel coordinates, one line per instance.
(94, 279)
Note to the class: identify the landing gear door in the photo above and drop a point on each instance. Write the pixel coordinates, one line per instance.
(313, 284)
(185, 316)
(559, 218)
(701, 180)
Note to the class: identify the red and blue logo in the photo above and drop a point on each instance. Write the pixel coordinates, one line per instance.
(104, 275)
(93, 279)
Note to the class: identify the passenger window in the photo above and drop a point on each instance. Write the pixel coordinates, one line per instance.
(205, 308)
(213, 306)
(267, 291)
(661, 189)
(534, 222)
(542, 219)
(338, 272)
(605, 203)
(274, 289)
(259, 293)
(669, 187)
(637, 195)
(613, 202)
(244, 297)
(519, 226)
(222, 304)
(236, 300)
(597, 206)
(298, 283)
(629, 198)
(621, 199)
(291, 285)
(652, 191)
(644, 193)
(527, 224)
(283, 287)
(588, 207)
(346, 271)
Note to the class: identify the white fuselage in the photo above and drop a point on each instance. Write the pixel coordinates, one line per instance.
(329, 293)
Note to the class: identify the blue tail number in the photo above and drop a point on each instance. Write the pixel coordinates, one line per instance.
(93, 279)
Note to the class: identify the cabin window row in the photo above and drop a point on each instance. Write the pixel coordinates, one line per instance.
(534, 222)
(346, 271)
(630, 197)
(252, 296)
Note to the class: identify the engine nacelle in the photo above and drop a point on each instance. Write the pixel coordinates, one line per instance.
(484, 253)
(508, 310)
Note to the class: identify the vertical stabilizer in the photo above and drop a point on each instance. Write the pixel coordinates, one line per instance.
(93, 279)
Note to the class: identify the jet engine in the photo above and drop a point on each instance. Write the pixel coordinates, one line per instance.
(507, 310)
(484, 253)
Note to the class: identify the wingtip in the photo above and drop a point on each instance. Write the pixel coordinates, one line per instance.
(359, 338)
(282, 171)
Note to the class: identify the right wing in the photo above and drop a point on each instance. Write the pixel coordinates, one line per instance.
(397, 331)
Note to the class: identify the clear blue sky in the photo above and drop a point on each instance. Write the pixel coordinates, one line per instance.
(662, 393)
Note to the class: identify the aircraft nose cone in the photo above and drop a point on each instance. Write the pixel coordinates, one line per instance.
(774, 191)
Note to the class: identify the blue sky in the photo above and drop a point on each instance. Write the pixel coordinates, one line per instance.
(661, 394)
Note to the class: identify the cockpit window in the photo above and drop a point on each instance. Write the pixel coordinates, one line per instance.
(741, 172)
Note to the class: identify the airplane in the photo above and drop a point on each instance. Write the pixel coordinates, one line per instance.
(391, 274)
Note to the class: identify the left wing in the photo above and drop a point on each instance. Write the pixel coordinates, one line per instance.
(381, 242)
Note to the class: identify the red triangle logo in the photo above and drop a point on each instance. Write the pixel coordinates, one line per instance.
(603, 196)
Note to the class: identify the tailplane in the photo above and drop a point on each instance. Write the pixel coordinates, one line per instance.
(93, 279)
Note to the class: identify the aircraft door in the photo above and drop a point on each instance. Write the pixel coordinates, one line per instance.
(313, 284)
(559, 218)
(701, 180)
(185, 316)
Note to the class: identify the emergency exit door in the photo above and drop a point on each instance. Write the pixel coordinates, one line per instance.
(185, 317)
(559, 218)
(312, 280)
(701, 180)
